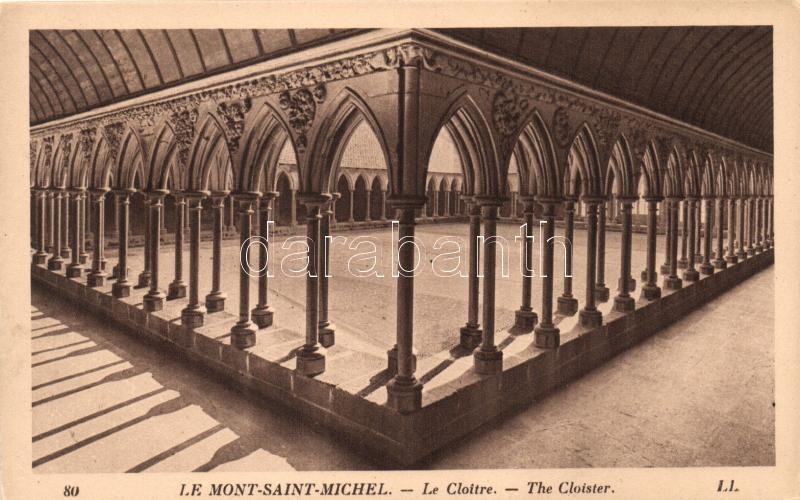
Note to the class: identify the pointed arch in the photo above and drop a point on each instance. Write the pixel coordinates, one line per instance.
(209, 144)
(536, 160)
(62, 161)
(163, 164)
(266, 137)
(131, 161)
(673, 185)
(650, 172)
(102, 165)
(621, 169)
(583, 175)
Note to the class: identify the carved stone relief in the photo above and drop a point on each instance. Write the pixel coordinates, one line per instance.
(233, 114)
(301, 107)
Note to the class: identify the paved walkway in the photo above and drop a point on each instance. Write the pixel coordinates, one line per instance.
(697, 393)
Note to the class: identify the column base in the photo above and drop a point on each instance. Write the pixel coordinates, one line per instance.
(759, 248)
(144, 279)
(488, 362)
(115, 272)
(95, 279)
(624, 304)
(176, 290)
(719, 263)
(601, 293)
(39, 258)
(404, 396)
(524, 321)
(83, 258)
(547, 336)
(121, 289)
(471, 337)
(74, 271)
(590, 319)
(691, 275)
(651, 292)
(153, 301)
(391, 356)
(707, 268)
(751, 251)
(193, 318)
(644, 275)
(327, 334)
(631, 283)
(55, 263)
(243, 334)
(741, 254)
(683, 263)
(567, 306)
(731, 259)
(673, 283)
(66, 253)
(309, 362)
(215, 302)
(262, 316)
(664, 270)
(698, 257)
(49, 248)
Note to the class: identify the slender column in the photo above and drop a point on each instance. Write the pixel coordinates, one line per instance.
(243, 333)
(690, 273)
(698, 234)
(706, 267)
(231, 214)
(601, 291)
(75, 270)
(98, 276)
(192, 315)
(488, 359)
(122, 286)
(751, 225)
(333, 208)
(566, 304)
(263, 313)
(447, 203)
(154, 298)
(327, 330)
(146, 274)
(383, 207)
(771, 221)
(547, 335)
(741, 254)
(66, 251)
(651, 290)
(759, 225)
(84, 255)
(404, 390)
(51, 215)
(56, 261)
(351, 218)
(685, 234)
(311, 357)
(765, 223)
(623, 302)
(719, 219)
(215, 300)
(177, 289)
(471, 333)
(525, 318)
(435, 211)
(731, 257)
(672, 281)
(40, 257)
(292, 207)
(589, 316)
(367, 213)
(666, 216)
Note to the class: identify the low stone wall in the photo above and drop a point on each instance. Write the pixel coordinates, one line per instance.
(449, 411)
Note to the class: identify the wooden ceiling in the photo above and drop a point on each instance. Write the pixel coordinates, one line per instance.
(717, 78)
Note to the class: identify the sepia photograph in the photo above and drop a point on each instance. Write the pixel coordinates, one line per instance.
(436, 249)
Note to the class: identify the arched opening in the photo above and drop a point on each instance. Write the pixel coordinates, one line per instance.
(343, 204)
(283, 205)
(377, 211)
(360, 201)
(430, 206)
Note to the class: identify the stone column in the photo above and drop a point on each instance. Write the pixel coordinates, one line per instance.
(706, 267)
(40, 257)
(601, 291)
(686, 235)
(65, 248)
(146, 274)
(666, 214)
(698, 234)
(243, 333)
(177, 289)
(154, 298)
(327, 330)
(98, 276)
(367, 217)
(751, 225)
(231, 214)
(759, 225)
(741, 253)
(293, 207)
(122, 287)
(471, 333)
(589, 316)
(672, 281)
(719, 254)
(192, 315)
(690, 273)
(311, 357)
(404, 390)
(435, 211)
(623, 302)
(651, 290)
(488, 359)
(525, 318)
(383, 207)
(51, 216)
(263, 313)
(56, 261)
(215, 299)
(84, 255)
(731, 257)
(566, 304)
(351, 218)
(546, 334)
(75, 270)
(447, 203)
(771, 221)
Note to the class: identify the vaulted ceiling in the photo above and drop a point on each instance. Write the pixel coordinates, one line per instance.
(717, 78)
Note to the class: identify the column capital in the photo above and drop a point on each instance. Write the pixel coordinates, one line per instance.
(548, 200)
(270, 195)
(489, 201)
(402, 202)
(314, 200)
(155, 194)
(654, 199)
(627, 200)
(192, 195)
(220, 193)
(98, 193)
(593, 200)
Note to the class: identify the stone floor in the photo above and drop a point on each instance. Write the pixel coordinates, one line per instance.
(105, 402)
